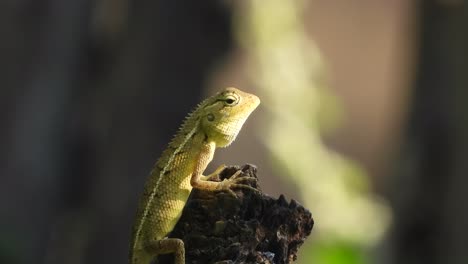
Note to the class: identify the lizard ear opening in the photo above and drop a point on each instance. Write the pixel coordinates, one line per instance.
(210, 117)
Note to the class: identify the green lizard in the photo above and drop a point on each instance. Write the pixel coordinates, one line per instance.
(214, 123)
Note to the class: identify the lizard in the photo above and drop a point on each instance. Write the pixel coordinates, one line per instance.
(215, 123)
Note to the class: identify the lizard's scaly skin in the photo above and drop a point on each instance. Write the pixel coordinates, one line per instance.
(214, 123)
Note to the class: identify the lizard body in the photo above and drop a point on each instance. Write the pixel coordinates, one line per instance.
(214, 123)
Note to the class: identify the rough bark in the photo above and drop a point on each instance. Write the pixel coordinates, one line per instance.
(252, 228)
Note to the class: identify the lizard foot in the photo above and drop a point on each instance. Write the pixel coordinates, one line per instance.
(215, 173)
(235, 182)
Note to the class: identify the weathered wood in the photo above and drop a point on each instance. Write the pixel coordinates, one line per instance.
(253, 228)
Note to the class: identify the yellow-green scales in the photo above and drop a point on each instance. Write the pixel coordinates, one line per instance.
(214, 123)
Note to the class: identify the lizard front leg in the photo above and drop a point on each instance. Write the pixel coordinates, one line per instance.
(199, 181)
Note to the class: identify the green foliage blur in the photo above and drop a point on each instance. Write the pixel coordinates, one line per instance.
(336, 253)
(289, 71)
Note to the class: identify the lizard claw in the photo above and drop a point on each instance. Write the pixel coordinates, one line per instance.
(236, 174)
(231, 192)
(234, 182)
(237, 177)
(238, 181)
(245, 186)
(215, 173)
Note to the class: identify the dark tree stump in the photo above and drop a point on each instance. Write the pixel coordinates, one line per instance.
(253, 228)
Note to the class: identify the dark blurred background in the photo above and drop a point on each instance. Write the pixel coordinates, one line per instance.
(91, 91)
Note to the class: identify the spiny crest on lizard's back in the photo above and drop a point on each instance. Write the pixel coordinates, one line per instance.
(190, 123)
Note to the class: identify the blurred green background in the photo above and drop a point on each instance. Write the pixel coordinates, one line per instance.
(363, 119)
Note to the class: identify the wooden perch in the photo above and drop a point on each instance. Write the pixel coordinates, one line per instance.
(253, 228)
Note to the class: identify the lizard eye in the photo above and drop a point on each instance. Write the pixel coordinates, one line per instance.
(231, 100)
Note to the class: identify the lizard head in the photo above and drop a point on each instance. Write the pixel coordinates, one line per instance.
(224, 114)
